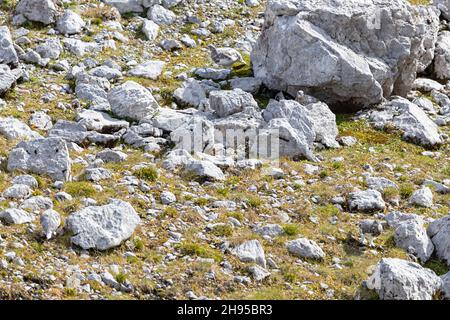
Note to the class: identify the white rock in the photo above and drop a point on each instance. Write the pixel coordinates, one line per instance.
(446, 285)
(16, 216)
(169, 119)
(411, 236)
(444, 7)
(251, 251)
(305, 248)
(103, 227)
(168, 197)
(100, 121)
(70, 23)
(44, 11)
(150, 29)
(47, 156)
(41, 121)
(177, 158)
(324, 124)
(396, 279)
(439, 231)
(8, 54)
(228, 102)
(126, 6)
(225, 56)
(191, 94)
(8, 79)
(37, 204)
(150, 69)
(26, 180)
(258, 273)
(161, 15)
(79, 47)
(380, 183)
(206, 170)
(17, 191)
(248, 84)
(427, 85)
(212, 73)
(366, 201)
(14, 129)
(422, 197)
(271, 230)
(315, 46)
(115, 156)
(411, 120)
(132, 101)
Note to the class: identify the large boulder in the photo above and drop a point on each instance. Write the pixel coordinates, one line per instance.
(131, 101)
(396, 279)
(46, 156)
(347, 53)
(439, 232)
(103, 227)
(8, 54)
(44, 11)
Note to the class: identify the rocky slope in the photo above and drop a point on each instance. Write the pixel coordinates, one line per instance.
(130, 131)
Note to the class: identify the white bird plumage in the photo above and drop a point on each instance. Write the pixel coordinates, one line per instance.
(50, 222)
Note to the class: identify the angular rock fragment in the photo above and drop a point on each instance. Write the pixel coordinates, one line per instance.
(44, 11)
(46, 156)
(131, 101)
(336, 52)
(305, 248)
(366, 201)
(251, 251)
(103, 227)
(8, 54)
(396, 279)
(439, 231)
(16, 216)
